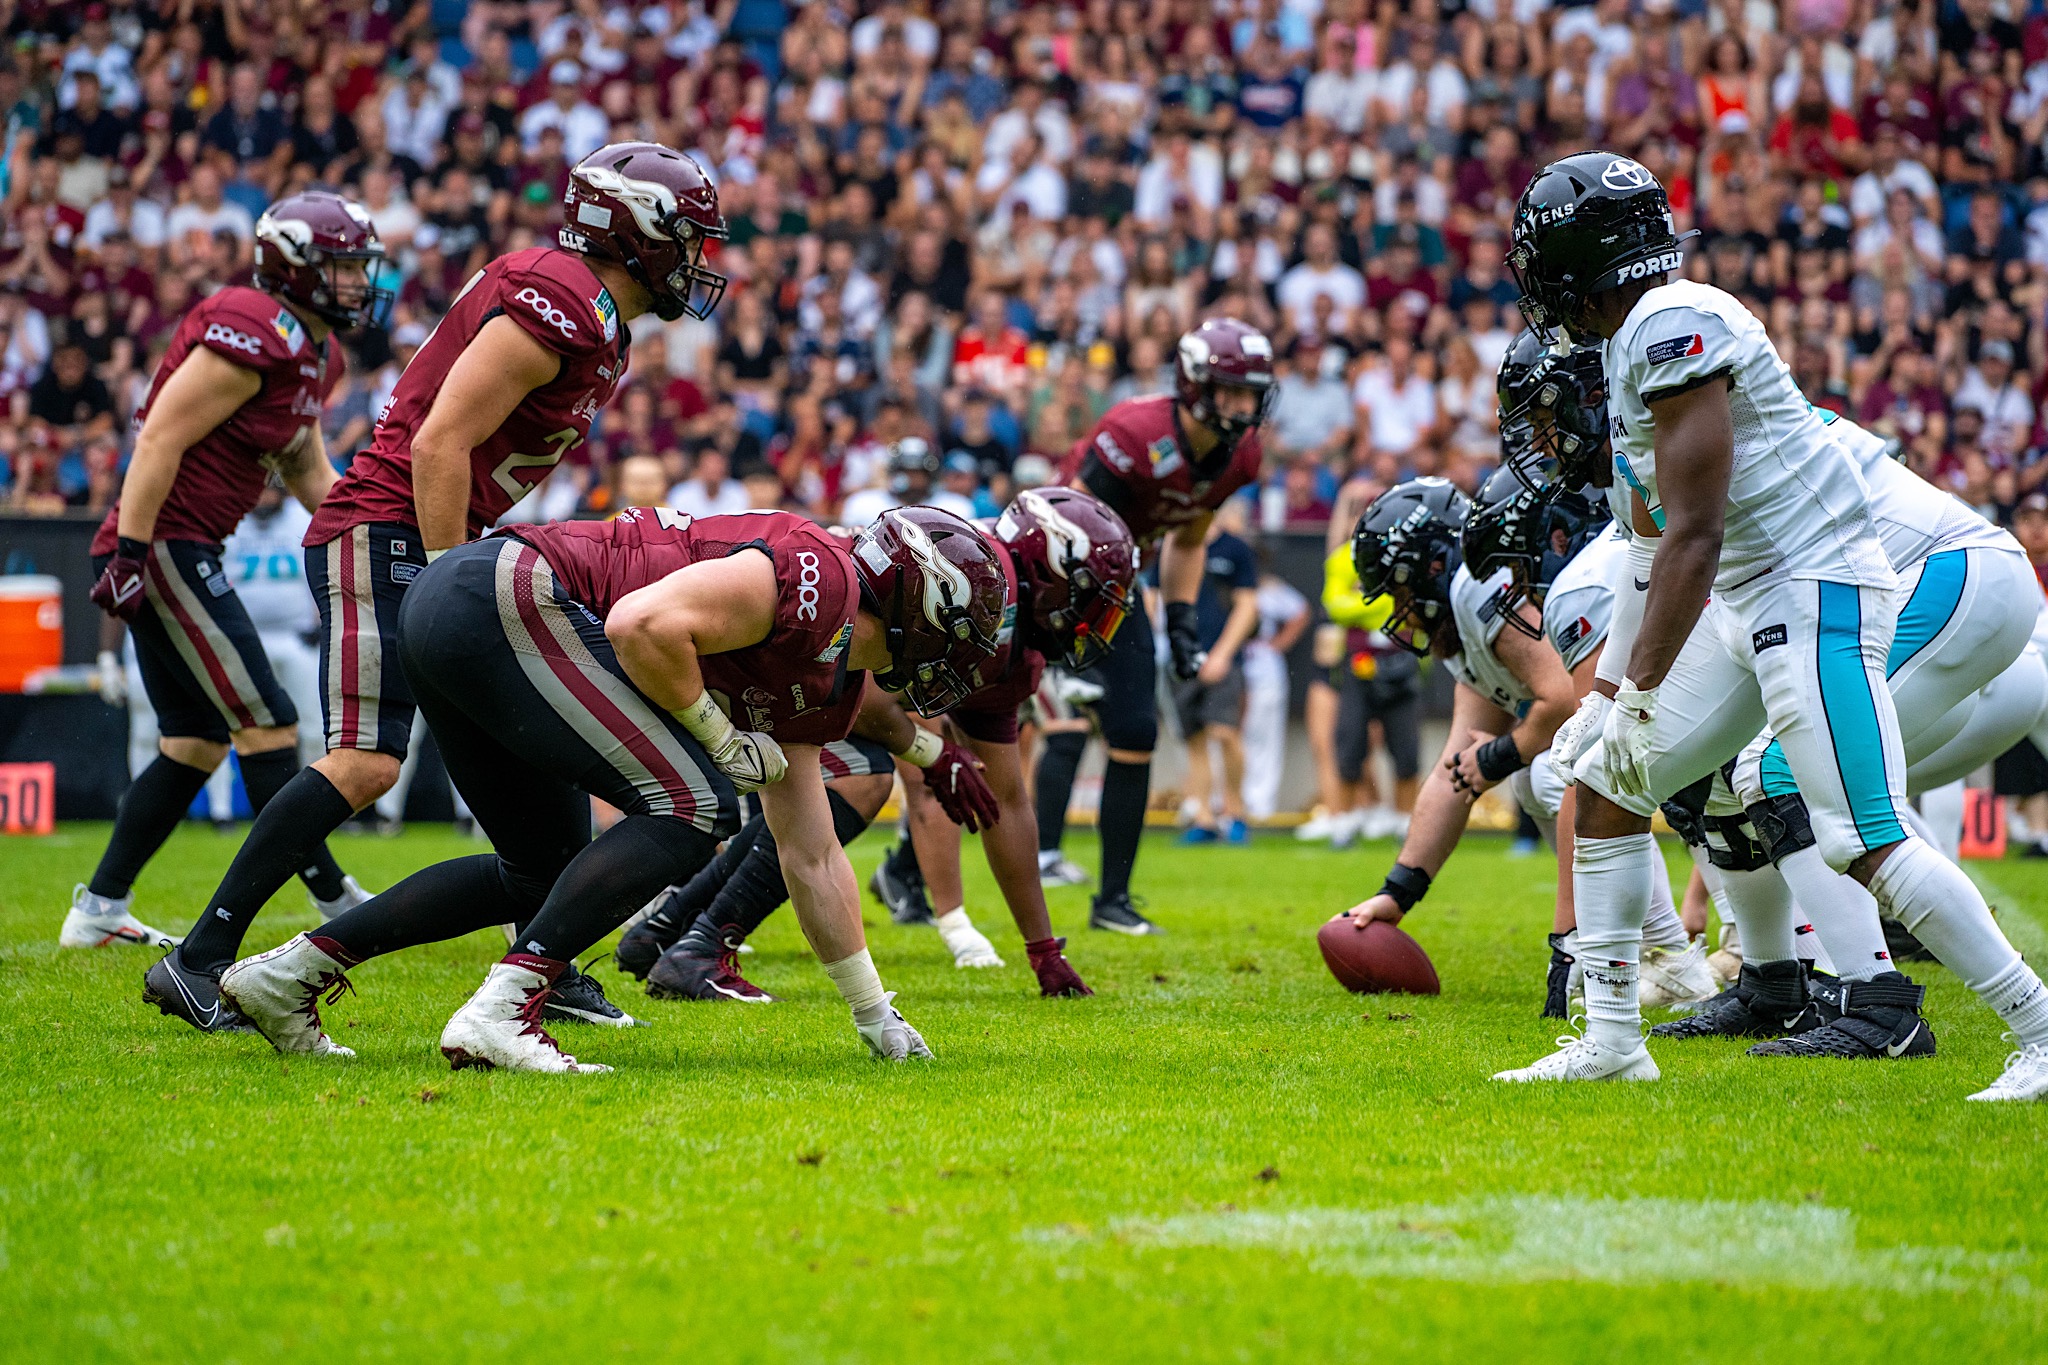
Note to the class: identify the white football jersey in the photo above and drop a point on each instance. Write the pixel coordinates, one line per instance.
(1913, 519)
(1475, 606)
(1579, 607)
(1796, 499)
(268, 569)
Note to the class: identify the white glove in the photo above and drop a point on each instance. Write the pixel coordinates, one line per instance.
(113, 678)
(969, 946)
(1073, 689)
(1577, 734)
(1627, 733)
(891, 1037)
(751, 759)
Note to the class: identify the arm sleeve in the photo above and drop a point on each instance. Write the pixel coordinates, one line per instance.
(1628, 610)
(1104, 483)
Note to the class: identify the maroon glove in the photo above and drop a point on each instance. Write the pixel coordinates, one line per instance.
(955, 779)
(1056, 975)
(119, 593)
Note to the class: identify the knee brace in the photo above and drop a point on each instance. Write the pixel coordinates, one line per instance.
(1732, 844)
(1782, 824)
(1686, 812)
(847, 823)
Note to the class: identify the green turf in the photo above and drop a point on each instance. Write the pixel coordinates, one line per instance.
(1220, 1157)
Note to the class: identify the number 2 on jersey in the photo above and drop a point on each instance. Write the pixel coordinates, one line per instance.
(561, 443)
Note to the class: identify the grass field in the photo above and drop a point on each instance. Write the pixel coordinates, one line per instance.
(1221, 1157)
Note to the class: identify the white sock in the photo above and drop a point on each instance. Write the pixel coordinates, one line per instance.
(1762, 906)
(1710, 877)
(1612, 881)
(1807, 944)
(1935, 899)
(1662, 927)
(1940, 818)
(860, 986)
(1844, 915)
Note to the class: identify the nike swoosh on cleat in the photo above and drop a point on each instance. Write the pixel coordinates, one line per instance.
(1894, 1049)
(208, 1015)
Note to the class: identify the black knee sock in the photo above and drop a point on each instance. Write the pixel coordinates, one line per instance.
(756, 888)
(1125, 789)
(902, 855)
(263, 776)
(434, 904)
(150, 809)
(1056, 769)
(295, 821)
(605, 883)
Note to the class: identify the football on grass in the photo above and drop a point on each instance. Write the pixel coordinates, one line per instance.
(1379, 957)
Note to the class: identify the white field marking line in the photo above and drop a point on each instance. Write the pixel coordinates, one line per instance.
(1621, 1241)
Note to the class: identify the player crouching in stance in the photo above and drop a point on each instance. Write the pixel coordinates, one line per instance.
(621, 659)
(1073, 567)
(236, 399)
(1739, 490)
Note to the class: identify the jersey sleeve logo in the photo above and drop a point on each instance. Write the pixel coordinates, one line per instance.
(1112, 453)
(289, 329)
(607, 314)
(830, 654)
(1165, 456)
(220, 334)
(1676, 348)
(544, 308)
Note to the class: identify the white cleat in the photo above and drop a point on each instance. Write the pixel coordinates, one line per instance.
(2025, 1076)
(1726, 960)
(969, 945)
(1061, 872)
(96, 922)
(892, 1038)
(1579, 1058)
(1672, 977)
(1317, 827)
(352, 895)
(1347, 825)
(500, 1027)
(279, 992)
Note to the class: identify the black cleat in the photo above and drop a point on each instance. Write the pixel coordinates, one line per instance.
(641, 946)
(684, 973)
(578, 999)
(1119, 914)
(1557, 981)
(902, 890)
(1881, 1018)
(182, 993)
(1904, 945)
(1768, 1000)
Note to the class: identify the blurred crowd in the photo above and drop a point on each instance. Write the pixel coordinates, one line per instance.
(982, 222)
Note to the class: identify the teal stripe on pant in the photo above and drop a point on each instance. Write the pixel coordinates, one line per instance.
(1850, 713)
(1936, 596)
(1931, 607)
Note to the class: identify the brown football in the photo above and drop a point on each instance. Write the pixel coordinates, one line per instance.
(1379, 957)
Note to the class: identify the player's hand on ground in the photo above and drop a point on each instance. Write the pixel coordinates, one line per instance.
(1463, 767)
(955, 780)
(120, 591)
(891, 1038)
(752, 760)
(1378, 907)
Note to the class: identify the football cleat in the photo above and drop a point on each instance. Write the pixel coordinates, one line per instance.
(2025, 1076)
(1672, 977)
(902, 890)
(1766, 1001)
(500, 1027)
(1726, 960)
(684, 974)
(641, 946)
(578, 999)
(1061, 872)
(352, 895)
(1558, 979)
(1119, 915)
(97, 922)
(1880, 1018)
(1902, 943)
(891, 1037)
(1579, 1058)
(279, 993)
(181, 993)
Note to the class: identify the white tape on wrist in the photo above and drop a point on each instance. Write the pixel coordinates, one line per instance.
(703, 719)
(925, 749)
(433, 555)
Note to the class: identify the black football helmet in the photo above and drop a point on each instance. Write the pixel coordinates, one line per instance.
(1406, 546)
(1532, 534)
(1586, 224)
(1553, 415)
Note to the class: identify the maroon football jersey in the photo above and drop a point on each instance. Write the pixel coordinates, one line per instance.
(1137, 442)
(793, 685)
(551, 294)
(1006, 679)
(223, 473)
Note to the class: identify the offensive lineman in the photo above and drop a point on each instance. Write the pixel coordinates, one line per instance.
(529, 352)
(236, 399)
(1163, 464)
(620, 659)
(1739, 489)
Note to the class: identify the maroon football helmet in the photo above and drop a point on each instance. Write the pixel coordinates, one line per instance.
(301, 243)
(937, 586)
(1077, 562)
(649, 210)
(1224, 351)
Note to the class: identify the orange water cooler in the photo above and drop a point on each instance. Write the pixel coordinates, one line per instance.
(31, 626)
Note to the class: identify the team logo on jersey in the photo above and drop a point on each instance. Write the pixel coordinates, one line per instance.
(222, 335)
(1770, 637)
(607, 312)
(1574, 632)
(758, 701)
(1675, 348)
(1165, 457)
(840, 640)
(807, 577)
(287, 325)
(1112, 452)
(1623, 174)
(545, 308)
